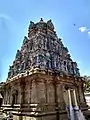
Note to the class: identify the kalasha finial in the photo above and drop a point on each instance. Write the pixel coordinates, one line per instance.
(41, 19)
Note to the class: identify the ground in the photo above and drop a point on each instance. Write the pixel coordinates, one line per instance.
(1, 116)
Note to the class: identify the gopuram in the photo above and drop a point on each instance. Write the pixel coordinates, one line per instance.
(43, 82)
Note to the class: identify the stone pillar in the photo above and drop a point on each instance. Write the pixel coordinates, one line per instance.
(77, 95)
(69, 95)
(71, 110)
(75, 99)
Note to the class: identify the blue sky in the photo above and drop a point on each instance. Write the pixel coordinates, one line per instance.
(14, 20)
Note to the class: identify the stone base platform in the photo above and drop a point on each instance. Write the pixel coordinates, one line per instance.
(42, 116)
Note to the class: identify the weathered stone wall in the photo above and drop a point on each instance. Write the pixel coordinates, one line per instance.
(49, 117)
(43, 91)
(38, 90)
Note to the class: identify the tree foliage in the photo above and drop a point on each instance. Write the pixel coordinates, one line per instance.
(87, 84)
(2, 88)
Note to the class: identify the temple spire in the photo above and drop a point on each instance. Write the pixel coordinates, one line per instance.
(42, 45)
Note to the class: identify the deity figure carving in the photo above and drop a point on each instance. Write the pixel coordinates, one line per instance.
(31, 45)
(10, 71)
(77, 72)
(25, 40)
(18, 55)
(40, 26)
(76, 69)
(31, 26)
(22, 67)
(69, 67)
(50, 24)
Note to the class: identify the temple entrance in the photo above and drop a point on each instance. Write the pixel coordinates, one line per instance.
(70, 97)
(71, 102)
(73, 111)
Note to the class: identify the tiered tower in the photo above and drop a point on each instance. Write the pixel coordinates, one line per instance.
(43, 49)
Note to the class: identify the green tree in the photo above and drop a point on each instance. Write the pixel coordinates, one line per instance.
(87, 84)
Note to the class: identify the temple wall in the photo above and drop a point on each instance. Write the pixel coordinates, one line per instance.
(60, 96)
(34, 94)
(50, 93)
(82, 101)
(44, 92)
(38, 90)
(81, 95)
(26, 91)
(19, 92)
(41, 92)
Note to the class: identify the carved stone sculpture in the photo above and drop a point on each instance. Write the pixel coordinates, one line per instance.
(31, 26)
(50, 24)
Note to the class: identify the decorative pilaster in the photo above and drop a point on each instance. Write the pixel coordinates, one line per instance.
(81, 96)
(22, 96)
(60, 97)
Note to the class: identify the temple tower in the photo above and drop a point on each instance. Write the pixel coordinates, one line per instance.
(43, 79)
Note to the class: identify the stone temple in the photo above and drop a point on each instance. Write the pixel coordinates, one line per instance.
(43, 82)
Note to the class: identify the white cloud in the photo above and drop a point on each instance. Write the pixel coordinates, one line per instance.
(5, 16)
(89, 33)
(82, 29)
